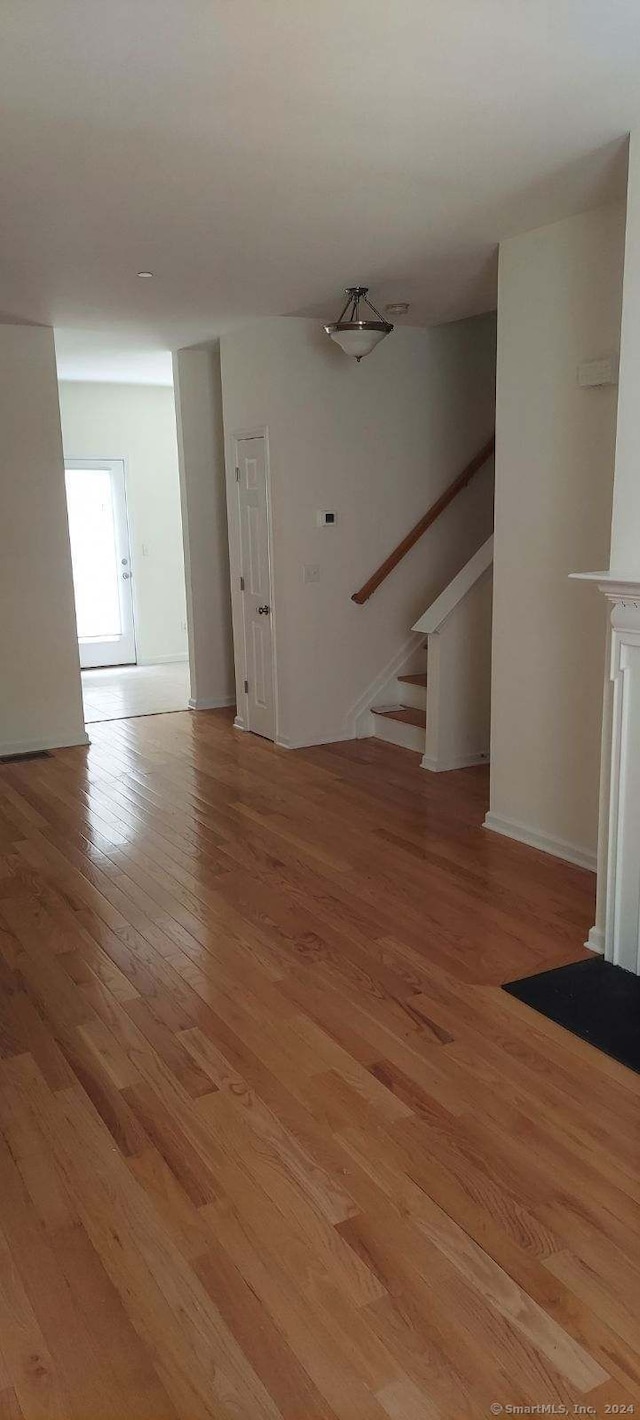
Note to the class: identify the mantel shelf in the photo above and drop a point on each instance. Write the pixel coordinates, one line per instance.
(614, 586)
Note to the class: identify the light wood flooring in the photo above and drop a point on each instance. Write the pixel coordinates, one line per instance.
(118, 692)
(273, 1142)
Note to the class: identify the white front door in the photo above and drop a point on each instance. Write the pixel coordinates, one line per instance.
(101, 561)
(251, 464)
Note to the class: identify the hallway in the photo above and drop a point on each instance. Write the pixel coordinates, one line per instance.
(118, 692)
(273, 1142)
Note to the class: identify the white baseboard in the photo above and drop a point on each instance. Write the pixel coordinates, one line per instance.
(459, 761)
(204, 703)
(44, 742)
(557, 847)
(284, 742)
(181, 656)
(595, 941)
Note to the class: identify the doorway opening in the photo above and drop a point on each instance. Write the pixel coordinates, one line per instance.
(101, 562)
(125, 530)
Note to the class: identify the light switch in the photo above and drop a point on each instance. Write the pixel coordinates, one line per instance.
(311, 572)
(326, 520)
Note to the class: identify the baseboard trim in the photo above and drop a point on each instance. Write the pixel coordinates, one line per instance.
(162, 660)
(284, 742)
(460, 761)
(208, 703)
(557, 847)
(595, 941)
(44, 742)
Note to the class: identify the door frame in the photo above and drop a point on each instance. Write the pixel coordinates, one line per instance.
(256, 431)
(99, 463)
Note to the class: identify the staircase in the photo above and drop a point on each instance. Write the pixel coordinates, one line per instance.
(404, 723)
(458, 628)
(457, 698)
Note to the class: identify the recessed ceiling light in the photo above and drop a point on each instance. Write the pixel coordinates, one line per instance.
(397, 308)
(145, 275)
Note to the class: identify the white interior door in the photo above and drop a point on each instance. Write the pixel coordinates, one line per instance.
(101, 561)
(251, 473)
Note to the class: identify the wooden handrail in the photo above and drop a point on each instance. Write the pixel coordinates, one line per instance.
(425, 522)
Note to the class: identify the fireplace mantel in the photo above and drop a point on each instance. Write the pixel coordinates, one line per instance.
(617, 930)
(614, 587)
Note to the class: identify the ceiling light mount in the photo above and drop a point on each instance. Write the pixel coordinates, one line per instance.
(355, 336)
(145, 275)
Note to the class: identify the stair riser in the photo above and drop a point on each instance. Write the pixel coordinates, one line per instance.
(397, 733)
(415, 695)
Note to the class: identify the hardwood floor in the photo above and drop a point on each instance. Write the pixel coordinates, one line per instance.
(273, 1142)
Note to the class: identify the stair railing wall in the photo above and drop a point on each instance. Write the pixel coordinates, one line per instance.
(421, 527)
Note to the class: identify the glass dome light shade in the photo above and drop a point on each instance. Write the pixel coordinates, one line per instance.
(358, 338)
(355, 336)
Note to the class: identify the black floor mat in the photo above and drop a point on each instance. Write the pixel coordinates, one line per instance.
(593, 999)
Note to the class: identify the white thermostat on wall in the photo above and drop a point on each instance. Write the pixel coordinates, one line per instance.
(598, 372)
(326, 520)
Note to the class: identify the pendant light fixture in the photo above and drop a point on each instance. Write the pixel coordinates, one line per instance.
(355, 336)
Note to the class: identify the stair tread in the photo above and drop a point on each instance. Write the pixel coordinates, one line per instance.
(405, 713)
(414, 679)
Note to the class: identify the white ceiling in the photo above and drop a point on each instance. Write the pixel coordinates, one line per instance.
(109, 356)
(257, 155)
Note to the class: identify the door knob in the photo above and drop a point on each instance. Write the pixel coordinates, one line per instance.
(264, 610)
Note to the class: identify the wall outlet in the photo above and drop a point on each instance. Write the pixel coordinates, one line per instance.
(311, 572)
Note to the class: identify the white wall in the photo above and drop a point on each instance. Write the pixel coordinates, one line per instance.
(376, 443)
(137, 423)
(40, 693)
(196, 373)
(625, 532)
(459, 682)
(559, 302)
